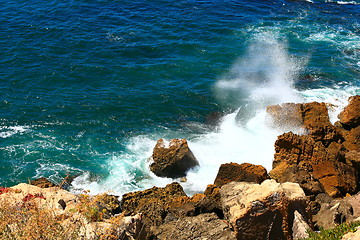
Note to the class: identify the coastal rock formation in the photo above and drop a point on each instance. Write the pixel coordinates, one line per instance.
(350, 117)
(244, 172)
(211, 203)
(63, 212)
(172, 159)
(313, 117)
(317, 169)
(160, 205)
(203, 226)
(262, 211)
(42, 183)
(332, 212)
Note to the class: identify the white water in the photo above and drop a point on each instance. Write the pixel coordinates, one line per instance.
(264, 76)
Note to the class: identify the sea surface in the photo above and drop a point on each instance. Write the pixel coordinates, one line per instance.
(88, 86)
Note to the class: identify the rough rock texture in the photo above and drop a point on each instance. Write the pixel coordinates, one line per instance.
(42, 183)
(317, 169)
(300, 227)
(159, 205)
(262, 211)
(204, 226)
(311, 116)
(172, 160)
(350, 117)
(244, 172)
(332, 212)
(64, 205)
(211, 202)
(352, 139)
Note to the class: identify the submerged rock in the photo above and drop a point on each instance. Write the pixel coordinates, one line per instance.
(172, 160)
(244, 172)
(263, 211)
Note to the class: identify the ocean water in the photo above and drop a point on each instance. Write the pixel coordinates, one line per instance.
(88, 87)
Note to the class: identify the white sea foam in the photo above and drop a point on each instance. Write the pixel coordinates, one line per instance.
(262, 77)
(6, 132)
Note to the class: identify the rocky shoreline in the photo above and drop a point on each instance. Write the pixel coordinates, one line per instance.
(314, 183)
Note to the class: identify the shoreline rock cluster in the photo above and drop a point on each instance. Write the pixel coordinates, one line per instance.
(314, 183)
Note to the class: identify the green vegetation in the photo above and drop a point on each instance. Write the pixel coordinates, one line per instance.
(335, 233)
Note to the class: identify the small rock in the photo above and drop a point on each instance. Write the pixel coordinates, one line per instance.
(245, 172)
(172, 160)
(350, 116)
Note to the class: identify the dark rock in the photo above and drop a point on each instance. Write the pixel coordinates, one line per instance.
(42, 183)
(204, 226)
(174, 160)
(211, 203)
(158, 205)
(245, 172)
(350, 116)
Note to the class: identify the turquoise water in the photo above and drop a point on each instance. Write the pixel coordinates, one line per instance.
(87, 87)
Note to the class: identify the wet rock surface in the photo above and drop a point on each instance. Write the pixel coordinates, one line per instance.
(172, 159)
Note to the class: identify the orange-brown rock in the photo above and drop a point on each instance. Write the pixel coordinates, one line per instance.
(211, 203)
(352, 139)
(302, 160)
(350, 117)
(311, 116)
(172, 160)
(245, 172)
(42, 183)
(159, 205)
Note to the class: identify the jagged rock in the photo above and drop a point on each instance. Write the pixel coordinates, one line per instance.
(262, 211)
(311, 116)
(244, 172)
(300, 227)
(211, 202)
(172, 160)
(332, 212)
(158, 205)
(42, 183)
(287, 115)
(317, 169)
(107, 204)
(350, 116)
(203, 226)
(352, 139)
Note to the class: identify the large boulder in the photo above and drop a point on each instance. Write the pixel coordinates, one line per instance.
(203, 226)
(263, 211)
(313, 117)
(332, 212)
(350, 116)
(317, 169)
(160, 205)
(244, 172)
(172, 159)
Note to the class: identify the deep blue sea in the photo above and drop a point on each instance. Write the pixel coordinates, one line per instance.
(88, 87)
